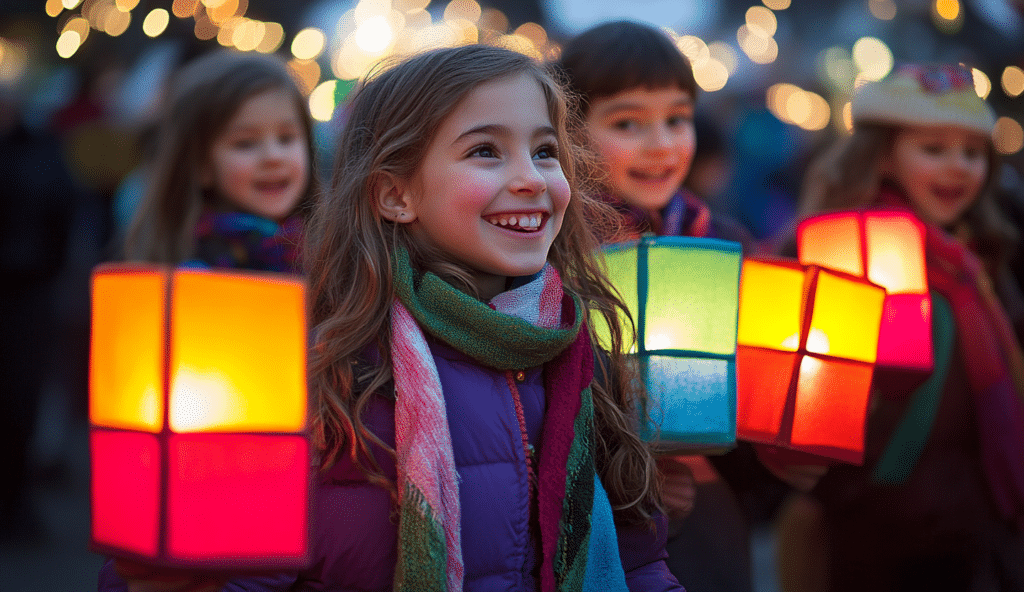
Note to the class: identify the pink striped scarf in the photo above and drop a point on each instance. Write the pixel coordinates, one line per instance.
(429, 543)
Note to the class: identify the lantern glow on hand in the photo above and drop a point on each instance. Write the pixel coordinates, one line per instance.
(197, 407)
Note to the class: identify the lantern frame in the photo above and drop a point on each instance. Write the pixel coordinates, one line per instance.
(779, 433)
(713, 436)
(172, 447)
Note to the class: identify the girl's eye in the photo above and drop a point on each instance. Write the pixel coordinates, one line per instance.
(484, 151)
(244, 143)
(933, 148)
(287, 138)
(546, 151)
(626, 125)
(679, 120)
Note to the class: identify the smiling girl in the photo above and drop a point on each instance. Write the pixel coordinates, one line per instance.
(952, 516)
(232, 170)
(465, 442)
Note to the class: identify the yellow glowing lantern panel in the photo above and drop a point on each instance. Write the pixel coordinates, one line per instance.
(217, 385)
(622, 271)
(889, 265)
(685, 305)
(827, 243)
(771, 301)
(126, 362)
(846, 318)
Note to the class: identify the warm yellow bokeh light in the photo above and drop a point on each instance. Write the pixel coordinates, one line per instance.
(982, 84)
(68, 43)
(884, 10)
(947, 9)
(116, 22)
(374, 35)
(13, 61)
(761, 20)
(847, 114)
(226, 10)
(205, 29)
(724, 54)
(836, 67)
(776, 4)
(694, 48)
(534, 32)
(126, 5)
(1012, 81)
(759, 48)
(306, 74)
(494, 20)
(410, 5)
(273, 36)
(872, 57)
(368, 9)
(78, 25)
(308, 43)
(711, 75)
(248, 34)
(156, 22)
(54, 7)
(184, 8)
(321, 100)
(1008, 136)
(463, 9)
(71, 4)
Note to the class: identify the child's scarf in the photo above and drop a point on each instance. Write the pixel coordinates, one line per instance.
(245, 241)
(684, 215)
(993, 359)
(531, 325)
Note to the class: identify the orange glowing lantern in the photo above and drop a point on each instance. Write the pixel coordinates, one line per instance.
(807, 342)
(197, 406)
(887, 248)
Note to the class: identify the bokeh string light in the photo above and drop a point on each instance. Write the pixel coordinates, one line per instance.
(327, 61)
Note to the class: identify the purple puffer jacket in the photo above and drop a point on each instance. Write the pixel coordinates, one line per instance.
(354, 537)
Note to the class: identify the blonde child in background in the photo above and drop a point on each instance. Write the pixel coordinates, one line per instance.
(465, 442)
(232, 168)
(950, 514)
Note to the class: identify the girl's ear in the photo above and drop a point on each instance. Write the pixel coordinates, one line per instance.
(394, 200)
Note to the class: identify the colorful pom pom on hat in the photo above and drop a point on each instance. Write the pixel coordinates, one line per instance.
(924, 95)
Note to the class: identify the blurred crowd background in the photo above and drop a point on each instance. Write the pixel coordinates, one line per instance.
(81, 80)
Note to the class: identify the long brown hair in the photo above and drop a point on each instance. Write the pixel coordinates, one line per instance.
(848, 175)
(391, 121)
(202, 98)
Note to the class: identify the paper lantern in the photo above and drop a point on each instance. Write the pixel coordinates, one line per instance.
(887, 248)
(197, 406)
(683, 295)
(807, 342)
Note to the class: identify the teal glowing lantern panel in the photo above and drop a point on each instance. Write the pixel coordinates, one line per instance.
(683, 294)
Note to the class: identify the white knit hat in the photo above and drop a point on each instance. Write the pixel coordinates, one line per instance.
(926, 96)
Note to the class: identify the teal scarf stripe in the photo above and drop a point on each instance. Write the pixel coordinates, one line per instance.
(494, 339)
(422, 559)
(574, 538)
(908, 440)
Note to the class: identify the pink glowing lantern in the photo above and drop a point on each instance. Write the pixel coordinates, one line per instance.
(198, 411)
(887, 248)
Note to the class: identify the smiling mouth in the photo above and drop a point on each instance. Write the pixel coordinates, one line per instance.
(273, 185)
(525, 222)
(651, 177)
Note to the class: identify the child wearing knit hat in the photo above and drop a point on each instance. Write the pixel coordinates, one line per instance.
(950, 514)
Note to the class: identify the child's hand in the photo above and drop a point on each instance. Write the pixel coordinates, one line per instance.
(678, 487)
(146, 578)
(797, 474)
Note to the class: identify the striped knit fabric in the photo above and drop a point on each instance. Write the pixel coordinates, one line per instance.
(526, 326)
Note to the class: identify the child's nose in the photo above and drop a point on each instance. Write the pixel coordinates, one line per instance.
(527, 180)
(660, 138)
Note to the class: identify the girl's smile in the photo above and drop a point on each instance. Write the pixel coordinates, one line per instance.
(942, 170)
(518, 221)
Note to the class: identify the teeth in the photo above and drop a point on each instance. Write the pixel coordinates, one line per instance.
(531, 221)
